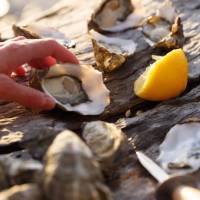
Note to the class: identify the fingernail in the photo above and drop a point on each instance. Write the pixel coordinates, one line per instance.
(49, 103)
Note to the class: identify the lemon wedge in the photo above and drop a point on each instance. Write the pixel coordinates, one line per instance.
(164, 79)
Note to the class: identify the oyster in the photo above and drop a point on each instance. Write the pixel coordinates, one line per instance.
(180, 151)
(35, 31)
(70, 171)
(111, 52)
(104, 139)
(114, 16)
(75, 88)
(164, 29)
(22, 192)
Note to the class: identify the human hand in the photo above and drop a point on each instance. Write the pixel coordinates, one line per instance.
(20, 50)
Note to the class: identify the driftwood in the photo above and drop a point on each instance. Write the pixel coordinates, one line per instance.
(22, 129)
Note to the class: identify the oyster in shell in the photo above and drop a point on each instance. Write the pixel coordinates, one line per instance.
(35, 31)
(104, 139)
(111, 52)
(22, 192)
(77, 88)
(114, 16)
(71, 172)
(164, 29)
(180, 151)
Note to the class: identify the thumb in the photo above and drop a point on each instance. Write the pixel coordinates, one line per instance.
(28, 97)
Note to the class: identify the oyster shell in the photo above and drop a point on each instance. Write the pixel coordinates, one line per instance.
(164, 29)
(35, 31)
(71, 172)
(180, 151)
(111, 52)
(21, 192)
(105, 140)
(114, 16)
(75, 88)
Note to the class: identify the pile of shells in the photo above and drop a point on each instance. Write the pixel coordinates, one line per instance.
(72, 169)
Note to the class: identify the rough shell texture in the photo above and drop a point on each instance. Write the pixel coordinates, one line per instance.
(110, 52)
(165, 29)
(75, 88)
(104, 139)
(17, 171)
(70, 171)
(110, 13)
(180, 151)
(35, 31)
(21, 192)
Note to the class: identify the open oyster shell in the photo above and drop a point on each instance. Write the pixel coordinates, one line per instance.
(111, 52)
(105, 140)
(71, 172)
(114, 16)
(180, 151)
(164, 29)
(35, 31)
(77, 88)
(21, 192)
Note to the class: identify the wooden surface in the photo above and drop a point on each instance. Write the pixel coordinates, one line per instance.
(21, 128)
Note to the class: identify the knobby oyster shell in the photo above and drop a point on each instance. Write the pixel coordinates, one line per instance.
(164, 29)
(105, 140)
(180, 151)
(35, 31)
(111, 52)
(71, 172)
(77, 88)
(113, 16)
(22, 192)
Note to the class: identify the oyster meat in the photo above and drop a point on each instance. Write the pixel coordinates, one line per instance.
(114, 16)
(35, 31)
(111, 52)
(77, 88)
(71, 172)
(104, 139)
(21, 192)
(180, 151)
(164, 29)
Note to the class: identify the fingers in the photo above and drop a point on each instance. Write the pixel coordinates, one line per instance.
(28, 97)
(23, 51)
(43, 62)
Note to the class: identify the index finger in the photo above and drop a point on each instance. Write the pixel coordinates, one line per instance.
(23, 51)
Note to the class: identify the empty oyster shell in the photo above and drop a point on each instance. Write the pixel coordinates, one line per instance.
(77, 88)
(34, 31)
(105, 140)
(21, 192)
(70, 171)
(164, 29)
(111, 52)
(180, 151)
(113, 16)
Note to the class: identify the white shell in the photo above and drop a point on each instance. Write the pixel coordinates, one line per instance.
(181, 148)
(92, 84)
(167, 11)
(115, 45)
(104, 139)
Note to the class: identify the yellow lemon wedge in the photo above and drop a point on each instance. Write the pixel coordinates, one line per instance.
(164, 79)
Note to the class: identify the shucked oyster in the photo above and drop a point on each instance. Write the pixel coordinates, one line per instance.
(114, 16)
(104, 139)
(164, 29)
(111, 52)
(75, 88)
(70, 171)
(34, 31)
(180, 151)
